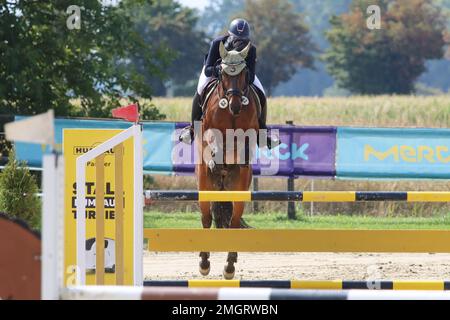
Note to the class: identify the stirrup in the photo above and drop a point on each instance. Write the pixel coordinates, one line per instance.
(273, 142)
(186, 135)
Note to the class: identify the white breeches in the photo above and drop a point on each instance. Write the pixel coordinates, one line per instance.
(203, 81)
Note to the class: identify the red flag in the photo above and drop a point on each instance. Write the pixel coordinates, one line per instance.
(129, 113)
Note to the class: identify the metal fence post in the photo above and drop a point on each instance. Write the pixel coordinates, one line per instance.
(255, 188)
(291, 183)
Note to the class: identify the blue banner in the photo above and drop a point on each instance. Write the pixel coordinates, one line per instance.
(393, 153)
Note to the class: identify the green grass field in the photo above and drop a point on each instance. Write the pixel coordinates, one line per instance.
(368, 111)
(154, 219)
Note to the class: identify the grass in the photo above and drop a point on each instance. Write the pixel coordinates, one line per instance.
(155, 219)
(367, 111)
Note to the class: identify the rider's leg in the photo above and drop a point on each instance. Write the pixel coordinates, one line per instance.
(187, 134)
(196, 113)
(262, 98)
(263, 116)
(272, 141)
(259, 85)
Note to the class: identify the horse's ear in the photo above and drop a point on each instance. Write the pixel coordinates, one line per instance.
(223, 52)
(244, 52)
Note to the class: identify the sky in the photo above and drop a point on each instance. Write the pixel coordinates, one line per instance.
(198, 4)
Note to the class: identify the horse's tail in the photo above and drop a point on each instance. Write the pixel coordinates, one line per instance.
(222, 212)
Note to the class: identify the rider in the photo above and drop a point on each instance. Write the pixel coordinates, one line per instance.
(237, 39)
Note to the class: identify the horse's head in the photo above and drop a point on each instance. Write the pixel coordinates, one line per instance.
(234, 78)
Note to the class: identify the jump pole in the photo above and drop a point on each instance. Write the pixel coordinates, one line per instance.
(174, 293)
(301, 196)
(437, 285)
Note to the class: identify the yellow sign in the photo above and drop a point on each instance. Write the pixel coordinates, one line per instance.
(76, 142)
(421, 153)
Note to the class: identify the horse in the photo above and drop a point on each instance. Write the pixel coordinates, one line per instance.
(225, 165)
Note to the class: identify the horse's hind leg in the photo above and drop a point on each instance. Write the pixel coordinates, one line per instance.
(204, 265)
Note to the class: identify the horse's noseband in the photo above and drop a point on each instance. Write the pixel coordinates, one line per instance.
(234, 91)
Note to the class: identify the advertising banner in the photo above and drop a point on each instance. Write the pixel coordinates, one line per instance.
(393, 153)
(76, 143)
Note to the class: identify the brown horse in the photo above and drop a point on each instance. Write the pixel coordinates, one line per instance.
(231, 116)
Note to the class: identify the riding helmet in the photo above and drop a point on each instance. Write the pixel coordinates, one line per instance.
(239, 28)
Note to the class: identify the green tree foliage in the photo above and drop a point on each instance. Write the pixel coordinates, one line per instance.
(169, 27)
(44, 64)
(282, 39)
(317, 15)
(389, 60)
(438, 70)
(218, 14)
(18, 192)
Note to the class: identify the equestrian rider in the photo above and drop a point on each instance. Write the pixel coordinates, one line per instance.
(237, 39)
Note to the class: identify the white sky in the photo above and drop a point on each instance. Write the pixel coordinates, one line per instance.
(198, 4)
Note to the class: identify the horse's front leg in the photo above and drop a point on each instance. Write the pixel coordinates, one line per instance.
(235, 223)
(242, 184)
(205, 209)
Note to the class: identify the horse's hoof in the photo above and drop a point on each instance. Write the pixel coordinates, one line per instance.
(204, 267)
(204, 272)
(228, 274)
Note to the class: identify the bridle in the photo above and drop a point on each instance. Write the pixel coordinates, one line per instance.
(234, 90)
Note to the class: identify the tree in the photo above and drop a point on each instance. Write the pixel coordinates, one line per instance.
(317, 15)
(282, 40)
(218, 14)
(170, 27)
(18, 192)
(389, 60)
(45, 64)
(438, 70)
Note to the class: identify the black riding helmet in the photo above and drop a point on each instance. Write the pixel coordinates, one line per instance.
(239, 28)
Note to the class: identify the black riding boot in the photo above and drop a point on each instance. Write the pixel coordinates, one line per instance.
(187, 134)
(272, 142)
(263, 117)
(196, 113)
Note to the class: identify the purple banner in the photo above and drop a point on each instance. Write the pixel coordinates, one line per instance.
(304, 151)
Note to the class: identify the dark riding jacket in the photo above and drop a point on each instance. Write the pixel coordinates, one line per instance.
(214, 55)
